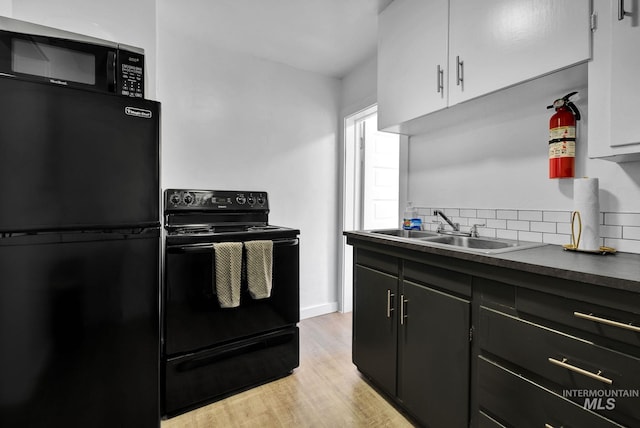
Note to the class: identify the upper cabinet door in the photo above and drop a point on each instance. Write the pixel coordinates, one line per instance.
(412, 60)
(498, 43)
(625, 76)
(614, 129)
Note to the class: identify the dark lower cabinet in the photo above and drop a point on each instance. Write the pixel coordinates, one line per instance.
(411, 339)
(551, 357)
(375, 329)
(433, 372)
(458, 343)
(519, 402)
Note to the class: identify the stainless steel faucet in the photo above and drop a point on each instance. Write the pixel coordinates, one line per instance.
(473, 231)
(455, 226)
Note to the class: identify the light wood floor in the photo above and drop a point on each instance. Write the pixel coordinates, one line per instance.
(325, 391)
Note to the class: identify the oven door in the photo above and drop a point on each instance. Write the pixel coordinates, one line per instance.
(193, 318)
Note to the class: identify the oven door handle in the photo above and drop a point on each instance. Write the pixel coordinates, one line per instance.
(208, 246)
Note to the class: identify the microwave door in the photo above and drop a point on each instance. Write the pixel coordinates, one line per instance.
(58, 61)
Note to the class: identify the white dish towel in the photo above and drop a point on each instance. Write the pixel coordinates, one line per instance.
(228, 273)
(259, 268)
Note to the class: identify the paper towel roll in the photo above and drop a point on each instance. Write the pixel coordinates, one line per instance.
(586, 201)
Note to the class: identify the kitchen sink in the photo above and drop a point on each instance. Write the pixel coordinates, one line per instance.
(406, 233)
(469, 242)
(459, 242)
(483, 245)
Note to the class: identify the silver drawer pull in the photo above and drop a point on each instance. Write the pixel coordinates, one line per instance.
(389, 308)
(575, 369)
(593, 318)
(403, 315)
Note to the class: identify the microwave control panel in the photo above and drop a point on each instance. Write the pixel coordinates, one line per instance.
(131, 79)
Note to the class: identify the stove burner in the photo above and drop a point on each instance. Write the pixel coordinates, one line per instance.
(213, 230)
(260, 228)
(191, 231)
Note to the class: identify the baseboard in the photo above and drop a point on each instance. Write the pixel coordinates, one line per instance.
(314, 311)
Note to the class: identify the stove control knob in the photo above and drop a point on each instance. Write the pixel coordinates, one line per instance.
(241, 200)
(188, 198)
(260, 200)
(251, 200)
(175, 198)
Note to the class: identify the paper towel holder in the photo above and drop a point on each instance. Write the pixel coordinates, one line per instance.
(575, 241)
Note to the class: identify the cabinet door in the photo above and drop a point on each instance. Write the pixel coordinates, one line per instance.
(412, 47)
(625, 85)
(434, 356)
(375, 326)
(614, 130)
(504, 42)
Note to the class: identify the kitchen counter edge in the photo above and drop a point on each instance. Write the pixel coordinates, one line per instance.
(620, 270)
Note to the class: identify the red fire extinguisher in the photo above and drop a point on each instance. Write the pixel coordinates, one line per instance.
(562, 138)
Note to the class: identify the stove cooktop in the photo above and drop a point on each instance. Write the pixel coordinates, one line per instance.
(202, 235)
(201, 216)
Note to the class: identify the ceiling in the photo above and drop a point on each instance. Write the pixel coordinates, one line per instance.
(329, 37)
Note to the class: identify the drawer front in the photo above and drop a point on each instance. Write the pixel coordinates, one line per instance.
(599, 320)
(574, 365)
(443, 279)
(377, 261)
(486, 421)
(515, 401)
(195, 379)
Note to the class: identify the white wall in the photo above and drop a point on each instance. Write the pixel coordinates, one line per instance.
(129, 22)
(6, 8)
(233, 121)
(359, 88)
(499, 160)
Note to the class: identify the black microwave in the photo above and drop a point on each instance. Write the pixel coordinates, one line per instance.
(35, 52)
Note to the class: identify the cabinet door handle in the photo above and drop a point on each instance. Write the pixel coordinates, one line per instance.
(583, 372)
(621, 12)
(403, 315)
(440, 80)
(459, 71)
(390, 295)
(593, 318)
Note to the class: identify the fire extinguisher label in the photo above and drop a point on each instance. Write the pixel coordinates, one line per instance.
(562, 132)
(562, 149)
(562, 142)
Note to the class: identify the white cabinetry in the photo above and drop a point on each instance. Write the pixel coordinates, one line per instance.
(614, 83)
(499, 43)
(480, 46)
(412, 66)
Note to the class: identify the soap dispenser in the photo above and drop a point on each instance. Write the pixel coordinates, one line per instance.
(410, 220)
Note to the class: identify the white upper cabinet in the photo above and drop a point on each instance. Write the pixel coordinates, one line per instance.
(499, 43)
(412, 60)
(479, 46)
(614, 82)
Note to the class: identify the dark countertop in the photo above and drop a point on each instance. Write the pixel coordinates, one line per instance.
(619, 270)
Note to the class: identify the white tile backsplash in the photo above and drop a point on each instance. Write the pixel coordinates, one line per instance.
(517, 225)
(546, 227)
(468, 213)
(631, 232)
(556, 216)
(486, 214)
(618, 230)
(530, 215)
(507, 214)
(622, 219)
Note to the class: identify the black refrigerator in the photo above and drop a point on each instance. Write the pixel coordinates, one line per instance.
(79, 258)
